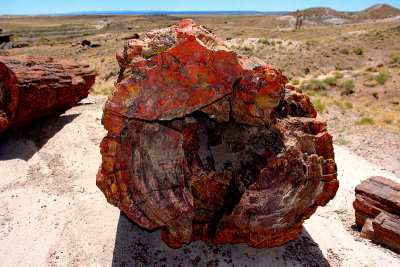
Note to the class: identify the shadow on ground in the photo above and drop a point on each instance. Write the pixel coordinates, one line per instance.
(135, 246)
(25, 142)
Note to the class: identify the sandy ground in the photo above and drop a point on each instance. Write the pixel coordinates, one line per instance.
(52, 213)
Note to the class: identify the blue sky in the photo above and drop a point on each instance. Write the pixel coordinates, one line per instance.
(64, 6)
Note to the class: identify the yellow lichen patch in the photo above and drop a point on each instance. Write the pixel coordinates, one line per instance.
(133, 90)
(263, 101)
(270, 75)
(148, 52)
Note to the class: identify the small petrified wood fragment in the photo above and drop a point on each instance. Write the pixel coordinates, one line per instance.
(37, 87)
(205, 144)
(377, 210)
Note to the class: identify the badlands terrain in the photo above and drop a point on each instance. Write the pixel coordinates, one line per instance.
(52, 214)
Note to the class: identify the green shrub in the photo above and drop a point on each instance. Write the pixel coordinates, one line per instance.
(265, 41)
(332, 81)
(348, 85)
(348, 105)
(372, 69)
(317, 85)
(341, 141)
(96, 72)
(395, 57)
(339, 75)
(397, 28)
(382, 78)
(358, 51)
(365, 120)
(339, 104)
(319, 106)
(295, 82)
(372, 83)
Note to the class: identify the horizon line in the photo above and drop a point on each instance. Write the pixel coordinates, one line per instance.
(158, 12)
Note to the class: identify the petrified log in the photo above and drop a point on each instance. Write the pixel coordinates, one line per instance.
(205, 144)
(377, 210)
(36, 87)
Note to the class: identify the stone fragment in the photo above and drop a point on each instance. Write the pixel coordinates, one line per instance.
(37, 87)
(377, 210)
(205, 144)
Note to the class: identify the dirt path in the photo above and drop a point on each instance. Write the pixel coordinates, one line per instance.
(52, 214)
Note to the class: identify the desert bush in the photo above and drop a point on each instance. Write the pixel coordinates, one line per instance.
(265, 41)
(338, 103)
(341, 141)
(315, 85)
(319, 106)
(295, 81)
(339, 75)
(389, 117)
(370, 83)
(358, 51)
(395, 101)
(348, 86)
(348, 105)
(344, 51)
(381, 78)
(397, 28)
(395, 57)
(365, 120)
(372, 69)
(332, 81)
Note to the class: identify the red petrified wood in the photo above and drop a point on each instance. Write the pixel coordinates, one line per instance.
(206, 144)
(377, 210)
(36, 87)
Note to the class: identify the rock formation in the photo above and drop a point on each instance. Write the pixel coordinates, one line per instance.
(36, 87)
(205, 144)
(377, 210)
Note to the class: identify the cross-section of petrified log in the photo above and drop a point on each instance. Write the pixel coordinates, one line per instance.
(377, 210)
(205, 144)
(36, 87)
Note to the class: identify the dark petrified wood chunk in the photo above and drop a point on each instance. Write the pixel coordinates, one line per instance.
(36, 87)
(377, 210)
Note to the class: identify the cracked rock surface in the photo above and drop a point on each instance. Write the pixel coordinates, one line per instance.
(206, 144)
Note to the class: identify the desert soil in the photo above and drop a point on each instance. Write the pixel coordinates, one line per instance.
(52, 213)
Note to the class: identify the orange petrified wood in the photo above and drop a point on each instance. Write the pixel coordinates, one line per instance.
(206, 144)
(37, 87)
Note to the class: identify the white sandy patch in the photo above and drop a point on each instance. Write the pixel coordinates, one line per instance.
(52, 213)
